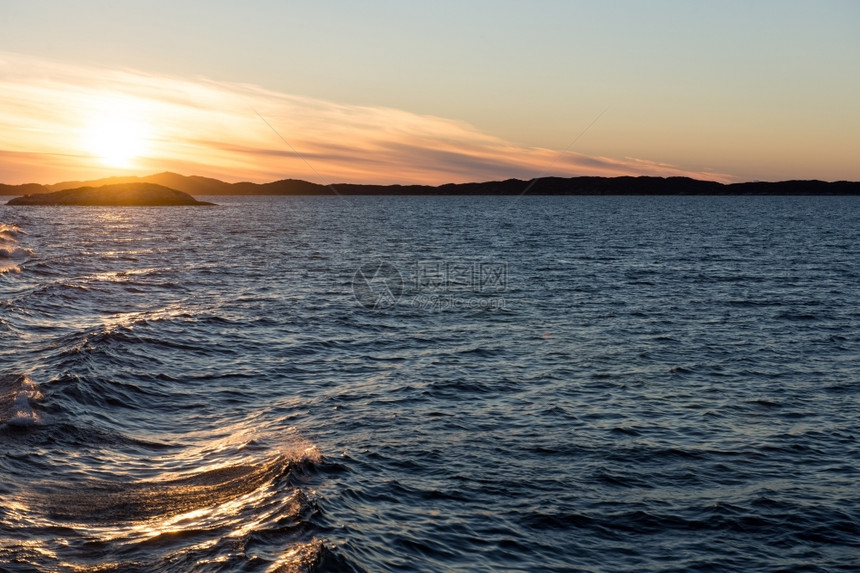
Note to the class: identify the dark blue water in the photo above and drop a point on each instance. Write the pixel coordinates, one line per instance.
(542, 384)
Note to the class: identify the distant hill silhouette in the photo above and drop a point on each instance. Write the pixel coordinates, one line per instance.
(195, 185)
(24, 189)
(121, 194)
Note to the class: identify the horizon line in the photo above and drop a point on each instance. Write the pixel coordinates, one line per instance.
(428, 185)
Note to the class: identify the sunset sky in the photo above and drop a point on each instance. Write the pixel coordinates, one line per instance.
(429, 92)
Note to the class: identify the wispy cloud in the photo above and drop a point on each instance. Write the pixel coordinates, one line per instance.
(205, 127)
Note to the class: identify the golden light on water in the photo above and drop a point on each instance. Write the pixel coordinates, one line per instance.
(210, 500)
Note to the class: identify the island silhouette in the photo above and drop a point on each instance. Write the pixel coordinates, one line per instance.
(121, 194)
(173, 189)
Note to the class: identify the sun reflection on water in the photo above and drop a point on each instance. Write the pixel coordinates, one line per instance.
(212, 510)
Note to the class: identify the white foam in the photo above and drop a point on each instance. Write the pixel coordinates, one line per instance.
(10, 230)
(10, 252)
(18, 403)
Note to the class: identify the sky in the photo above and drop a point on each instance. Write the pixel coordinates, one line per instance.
(429, 92)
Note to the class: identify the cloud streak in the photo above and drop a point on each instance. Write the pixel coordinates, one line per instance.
(204, 127)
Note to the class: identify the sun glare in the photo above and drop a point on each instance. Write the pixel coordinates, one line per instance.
(117, 139)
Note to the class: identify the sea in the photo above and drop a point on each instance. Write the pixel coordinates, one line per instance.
(424, 383)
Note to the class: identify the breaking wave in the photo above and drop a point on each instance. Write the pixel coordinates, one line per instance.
(18, 396)
(11, 254)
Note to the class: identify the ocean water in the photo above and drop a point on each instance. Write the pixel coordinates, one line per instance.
(432, 384)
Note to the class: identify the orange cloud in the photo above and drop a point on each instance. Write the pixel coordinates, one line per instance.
(205, 127)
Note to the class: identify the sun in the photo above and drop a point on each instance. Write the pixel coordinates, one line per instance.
(117, 139)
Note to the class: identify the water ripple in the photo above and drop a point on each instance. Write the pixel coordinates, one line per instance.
(670, 385)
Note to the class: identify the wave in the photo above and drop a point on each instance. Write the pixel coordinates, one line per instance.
(10, 252)
(161, 502)
(240, 511)
(10, 230)
(18, 395)
(13, 252)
